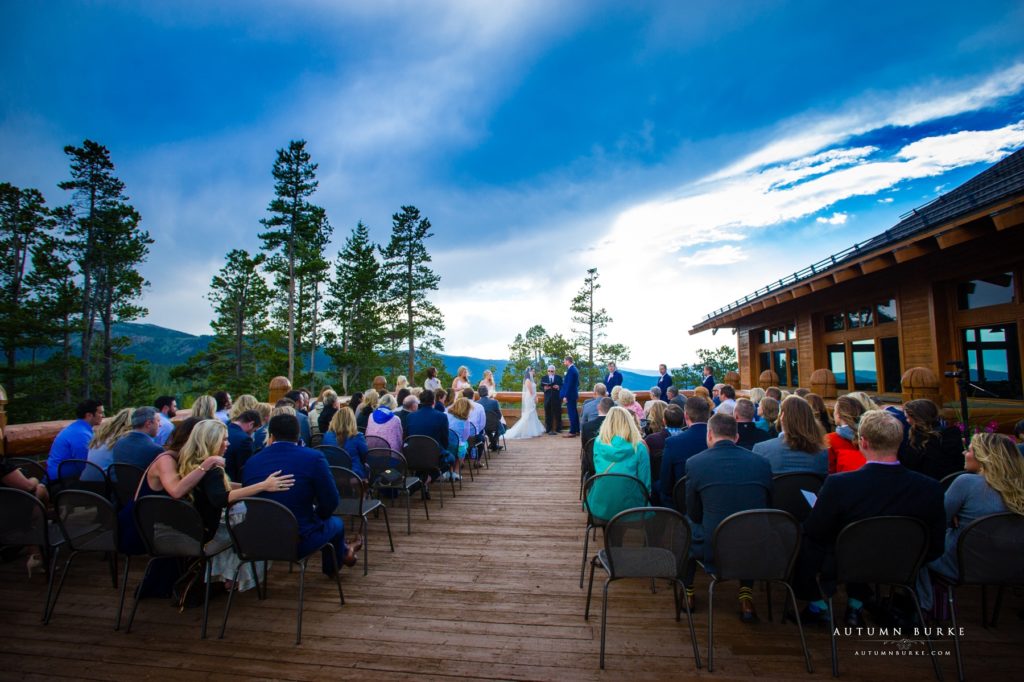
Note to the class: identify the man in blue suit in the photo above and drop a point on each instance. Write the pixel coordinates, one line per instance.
(312, 499)
(665, 380)
(680, 448)
(614, 377)
(709, 380)
(570, 393)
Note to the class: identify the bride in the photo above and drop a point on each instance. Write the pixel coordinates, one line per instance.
(529, 425)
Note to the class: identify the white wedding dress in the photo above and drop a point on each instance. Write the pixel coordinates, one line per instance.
(529, 425)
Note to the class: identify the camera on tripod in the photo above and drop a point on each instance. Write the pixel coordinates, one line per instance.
(957, 373)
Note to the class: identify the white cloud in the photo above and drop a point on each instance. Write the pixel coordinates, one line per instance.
(886, 200)
(836, 219)
(719, 255)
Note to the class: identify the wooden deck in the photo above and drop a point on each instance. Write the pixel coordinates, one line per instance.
(487, 589)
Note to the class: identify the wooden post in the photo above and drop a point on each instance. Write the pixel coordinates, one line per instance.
(921, 382)
(823, 382)
(768, 378)
(278, 387)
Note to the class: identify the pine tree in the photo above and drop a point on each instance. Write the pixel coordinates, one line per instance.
(291, 222)
(591, 323)
(409, 279)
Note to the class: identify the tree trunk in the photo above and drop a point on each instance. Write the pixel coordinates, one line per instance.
(409, 316)
(291, 311)
(108, 353)
(312, 339)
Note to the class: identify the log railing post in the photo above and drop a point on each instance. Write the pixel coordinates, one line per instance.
(3, 421)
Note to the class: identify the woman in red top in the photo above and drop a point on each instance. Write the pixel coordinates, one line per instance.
(843, 449)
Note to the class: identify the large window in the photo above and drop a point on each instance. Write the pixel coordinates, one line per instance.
(776, 349)
(837, 363)
(993, 361)
(984, 292)
(862, 346)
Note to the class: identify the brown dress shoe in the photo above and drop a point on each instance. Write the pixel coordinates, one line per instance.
(571, 435)
(747, 612)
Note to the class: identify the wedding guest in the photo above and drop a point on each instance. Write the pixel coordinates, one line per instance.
(726, 400)
(679, 448)
(242, 403)
(656, 430)
(432, 383)
(384, 424)
(73, 440)
(440, 396)
(259, 436)
(628, 401)
(342, 432)
(167, 407)
(458, 421)
(702, 393)
(401, 382)
(773, 392)
(932, 449)
(802, 392)
(674, 397)
(1018, 431)
(301, 400)
(366, 408)
(755, 395)
(328, 408)
(240, 442)
(619, 449)
(768, 415)
(223, 404)
(844, 443)
(749, 434)
(800, 447)
(137, 447)
(817, 404)
(590, 430)
(589, 410)
(616, 392)
(12, 477)
(205, 407)
(101, 447)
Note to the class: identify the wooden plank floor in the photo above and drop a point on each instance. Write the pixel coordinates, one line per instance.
(486, 589)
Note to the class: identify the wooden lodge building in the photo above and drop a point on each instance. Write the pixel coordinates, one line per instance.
(886, 316)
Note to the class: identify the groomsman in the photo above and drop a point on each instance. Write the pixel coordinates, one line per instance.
(665, 380)
(614, 377)
(709, 380)
(571, 393)
(552, 385)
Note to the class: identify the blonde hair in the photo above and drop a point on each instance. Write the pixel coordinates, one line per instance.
(656, 417)
(283, 409)
(756, 394)
(265, 410)
(461, 408)
(864, 399)
(849, 410)
(463, 372)
(107, 433)
(243, 403)
(324, 391)
(882, 431)
(369, 400)
(1002, 466)
(401, 382)
(800, 426)
(205, 441)
(387, 400)
(769, 408)
(622, 423)
(702, 392)
(626, 397)
(343, 424)
(205, 407)
(616, 392)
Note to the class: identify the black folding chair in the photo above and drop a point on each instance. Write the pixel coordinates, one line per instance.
(376, 442)
(80, 474)
(267, 531)
(759, 544)
(336, 457)
(628, 491)
(89, 524)
(787, 492)
(124, 481)
(947, 481)
(884, 550)
(355, 503)
(29, 467)
(679, 496)
(586, 463)
(423, 455)
(389, 471)
(990, 551)
(23, 523)
(173, 529)
(492, 428)
(644, 542)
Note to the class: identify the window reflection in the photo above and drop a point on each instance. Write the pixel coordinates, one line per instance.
(986, 291)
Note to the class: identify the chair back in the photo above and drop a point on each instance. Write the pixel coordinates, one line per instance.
(80, 474)
(493, 423)
(124, 481)
(647, 542)
(169, 527)
(587, 458)
(373, 442)
(881, 549)
(679, 496)
(336, 457)
(453, 439)
(29, 467)
(605, 495)
(381, 460)
(88, 521)
(787, 495)
(263, 530)
(947, 481)
(758, 544)
(22, 519)
(422, 453)
(990, 550)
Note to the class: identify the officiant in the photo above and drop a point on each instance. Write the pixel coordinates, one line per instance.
(552, 385)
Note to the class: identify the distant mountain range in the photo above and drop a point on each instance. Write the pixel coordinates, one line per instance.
(162, 346)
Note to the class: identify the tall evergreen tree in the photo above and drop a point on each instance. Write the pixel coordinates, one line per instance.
(589, 324)
(291, 222)
(409, 279)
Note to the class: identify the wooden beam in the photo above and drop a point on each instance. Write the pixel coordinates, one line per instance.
(801, 290)
(960, 235)
(783, 296)
(822, 283)
(916, 250)
(877, 263)
(1007, 219)
(846, 274)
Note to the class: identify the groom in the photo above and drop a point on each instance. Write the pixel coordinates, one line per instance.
(571, 393)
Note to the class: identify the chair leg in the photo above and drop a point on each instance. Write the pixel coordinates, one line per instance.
(364, 528)
(689, 620)
(124, 589)
(583, 562)
(113, 568)
(337, 575)
(387, 524)
(256, 578)
(48, 613)
(711, 624)
(920, 618)
(408, 515)
(604, 617)
(675, 596)
(423, 496)
(951, 599)
(590, 589)
(997, 607)
(832, 634)
(207, 574)
(135, 606)
(231, 594)
(800, 627)
(52, 572)
(768, 594)
(302, 585)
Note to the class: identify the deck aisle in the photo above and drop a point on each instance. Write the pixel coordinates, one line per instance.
(487, 589)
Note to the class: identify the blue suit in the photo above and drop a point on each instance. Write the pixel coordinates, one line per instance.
(312, 499)
(677, 450)
(663, 383)
(612, 380)
(571, 392)
(709, 383)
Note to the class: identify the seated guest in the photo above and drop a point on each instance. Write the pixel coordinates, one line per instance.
(680, 448)
(726, 400)
(701, 392)
(773, 392)
(932, 449)
(800, 447)
(720, 481)
(354, 401)
(242, 403)
(137, 447)
(259, 436)
(843, 449)
(817, 404)
(627, 399)
(440, 397)
(590, 407)
(384, 424)
(301, 400)
(12, 477)
(994, 484)
(673, 397)
(882, 487)
(366, 408)
(589, 431)
(458, 421)
(101, 447)
(716, 396)
(675, 420)
(655, 431)
(749, 434)
(400, 396)
(476, 416)
(616, 392)
(619, 449)
(313, 496)
(433, 424)
(755, 395)
(401, 384)
(240, 442)
(73, 440)
(768, 415)
(492, 406)
(223, 405)
(802, 393)
(205, 407)
(167, 407)
(410, 404)
(343, 433)
(655, 398)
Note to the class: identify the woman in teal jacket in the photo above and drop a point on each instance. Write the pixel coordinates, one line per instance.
(619, 449)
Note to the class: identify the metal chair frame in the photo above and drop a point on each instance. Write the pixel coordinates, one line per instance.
(593, 523)
(359, 507)
(403, 488)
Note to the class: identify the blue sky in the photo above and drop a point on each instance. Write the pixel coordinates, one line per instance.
(692, 151)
